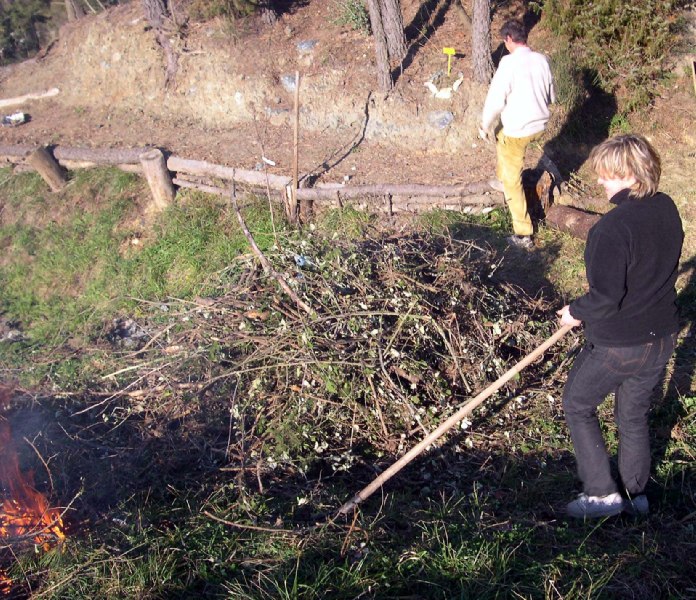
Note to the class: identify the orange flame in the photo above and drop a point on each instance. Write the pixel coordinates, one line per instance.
(25, 515)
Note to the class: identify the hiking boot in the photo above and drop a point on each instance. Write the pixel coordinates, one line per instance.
(520, 241)
(593, 507)
(638, 505)
(496, 184)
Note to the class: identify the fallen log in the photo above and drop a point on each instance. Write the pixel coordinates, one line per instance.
(73, 165)
(381, 203)
(15, 153)
(571, 220)
(34, 96)
(324, 191)
(196, 185)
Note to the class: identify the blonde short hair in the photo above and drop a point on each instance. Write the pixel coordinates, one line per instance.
(629, 156)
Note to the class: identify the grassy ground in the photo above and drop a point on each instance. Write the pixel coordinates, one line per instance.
(202, 433)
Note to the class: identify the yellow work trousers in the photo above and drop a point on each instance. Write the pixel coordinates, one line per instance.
(510, 151)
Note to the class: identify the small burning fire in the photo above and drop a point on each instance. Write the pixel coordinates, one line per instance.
(25, 515)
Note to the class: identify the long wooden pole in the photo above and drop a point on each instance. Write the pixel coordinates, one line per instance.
(451, 422)
(294, 204)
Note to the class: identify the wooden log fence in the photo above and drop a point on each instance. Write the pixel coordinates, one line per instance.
(163, 173)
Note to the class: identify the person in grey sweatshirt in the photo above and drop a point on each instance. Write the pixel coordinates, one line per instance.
(519, 94)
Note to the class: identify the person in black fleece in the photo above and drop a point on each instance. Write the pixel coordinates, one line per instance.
(631, 325)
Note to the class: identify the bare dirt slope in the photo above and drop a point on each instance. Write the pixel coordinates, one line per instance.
(232, 102)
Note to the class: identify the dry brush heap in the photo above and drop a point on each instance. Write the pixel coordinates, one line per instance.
(406, 329)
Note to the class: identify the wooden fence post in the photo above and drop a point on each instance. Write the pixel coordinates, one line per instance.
(158, 178)
(46, 166)
(293, 204)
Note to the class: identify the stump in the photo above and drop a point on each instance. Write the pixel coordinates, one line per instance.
(158, 178)
(46, 166)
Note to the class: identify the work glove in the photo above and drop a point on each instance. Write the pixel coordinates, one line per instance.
(486, 135)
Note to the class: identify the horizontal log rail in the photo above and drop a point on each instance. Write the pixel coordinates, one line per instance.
(220, 180)
(97, 156)
(79, 157)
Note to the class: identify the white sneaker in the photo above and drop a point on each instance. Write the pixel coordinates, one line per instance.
(520, 241)
(592, 507)
(638, 505)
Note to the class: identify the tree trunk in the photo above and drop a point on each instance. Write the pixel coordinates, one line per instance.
(571, 220)
(156, 12)
(466, 19)
(74, 10)
(393, 25)
(481, 41)
(158, 16)
(384, 79)
(269, 14)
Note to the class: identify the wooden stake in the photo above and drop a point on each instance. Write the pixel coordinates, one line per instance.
(158, 178)
(293, 207)
(50, 171)
(451, 422)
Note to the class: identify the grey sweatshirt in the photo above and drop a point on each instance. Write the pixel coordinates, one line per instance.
(520, 93)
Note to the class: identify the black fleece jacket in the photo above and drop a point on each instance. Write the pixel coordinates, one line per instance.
(631, 260)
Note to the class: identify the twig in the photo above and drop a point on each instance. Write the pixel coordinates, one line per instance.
(295, 169)
(350, 531)
(378, 408)
(452, 353)
(268, 184)
(229, 430)
(406, 402)
(48, 471)
(266, 264)
(254, 527)
(150, 341)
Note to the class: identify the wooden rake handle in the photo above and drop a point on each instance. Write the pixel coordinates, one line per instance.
(451, 422)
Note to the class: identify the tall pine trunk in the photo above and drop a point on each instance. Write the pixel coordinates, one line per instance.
(481, 41)
(384, 79)
(158, 16)
(393, 24)
(74, 10)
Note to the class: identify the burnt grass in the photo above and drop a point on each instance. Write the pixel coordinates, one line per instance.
(238, 407)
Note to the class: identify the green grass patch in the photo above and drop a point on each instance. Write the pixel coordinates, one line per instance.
(70, 262)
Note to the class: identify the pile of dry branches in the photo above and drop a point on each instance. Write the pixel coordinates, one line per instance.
(404, 330)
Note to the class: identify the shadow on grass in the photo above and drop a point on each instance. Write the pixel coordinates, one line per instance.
(670, 411)
(525, 269)
(587, 125)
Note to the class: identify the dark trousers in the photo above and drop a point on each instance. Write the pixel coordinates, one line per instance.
(631, 373)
